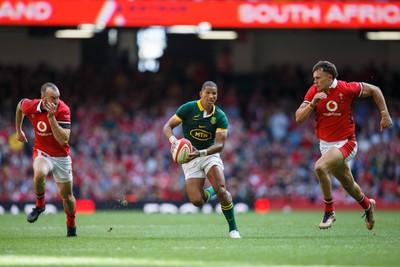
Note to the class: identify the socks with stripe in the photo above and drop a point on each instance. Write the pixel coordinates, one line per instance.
(40, 200)
(229, 215)
(364, 202)
(209, 192)
(70, 218)
(328, 205)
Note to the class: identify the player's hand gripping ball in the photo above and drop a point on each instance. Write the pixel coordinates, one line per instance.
(180, 149)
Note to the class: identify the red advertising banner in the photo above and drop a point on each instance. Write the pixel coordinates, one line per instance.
(220, 14)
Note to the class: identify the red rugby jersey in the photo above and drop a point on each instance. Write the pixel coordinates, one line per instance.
(334, 118)
(44, 139)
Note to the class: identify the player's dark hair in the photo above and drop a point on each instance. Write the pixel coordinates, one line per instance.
(326, 66)
(48, 84)
(209, 84)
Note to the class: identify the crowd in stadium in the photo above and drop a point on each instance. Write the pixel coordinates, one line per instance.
(119, 151)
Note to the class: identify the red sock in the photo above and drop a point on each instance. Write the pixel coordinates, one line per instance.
(364, 202)
(40, 200)
(70, 218)
(328, 205)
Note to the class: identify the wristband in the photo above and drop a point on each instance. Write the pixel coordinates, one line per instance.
(203, 152)
(310, 106)
(172, 139)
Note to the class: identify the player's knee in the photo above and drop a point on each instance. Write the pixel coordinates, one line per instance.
(197, 202)
(320, 168)
(223, 195)
(69, 197)
(39, 176)
(221, 192)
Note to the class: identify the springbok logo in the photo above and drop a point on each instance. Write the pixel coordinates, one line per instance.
(331, 106)
(41, 126)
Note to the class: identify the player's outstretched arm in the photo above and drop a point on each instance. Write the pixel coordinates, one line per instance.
(376, 93)
(303, 112)
(19, 117)
(168, 130)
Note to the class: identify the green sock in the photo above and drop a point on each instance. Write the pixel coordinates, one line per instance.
(210, 190)
(209, 193)
(230, 216)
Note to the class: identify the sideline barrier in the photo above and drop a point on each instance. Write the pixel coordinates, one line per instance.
(85, 206)
(260, 206)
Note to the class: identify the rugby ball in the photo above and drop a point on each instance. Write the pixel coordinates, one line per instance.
(182, 148)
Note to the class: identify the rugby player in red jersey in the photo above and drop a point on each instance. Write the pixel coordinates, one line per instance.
(51, 120)
(332, 100)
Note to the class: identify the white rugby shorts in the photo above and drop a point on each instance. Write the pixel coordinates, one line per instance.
(347, 147)
(60, 167)
(199, 167)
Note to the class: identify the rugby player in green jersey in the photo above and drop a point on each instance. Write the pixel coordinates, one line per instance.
(206, 127)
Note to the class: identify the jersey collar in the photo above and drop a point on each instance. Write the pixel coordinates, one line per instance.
(202, 108)
(334, 84)
(38, 109)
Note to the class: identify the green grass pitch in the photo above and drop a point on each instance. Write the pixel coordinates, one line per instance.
(132, 238)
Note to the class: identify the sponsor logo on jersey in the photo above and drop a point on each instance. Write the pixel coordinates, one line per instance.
(332, 106)
(41, 126)
(201, 135)
(44, 134)
(196, 117)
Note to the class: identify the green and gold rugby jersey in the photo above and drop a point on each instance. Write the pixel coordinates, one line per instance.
(200, 129)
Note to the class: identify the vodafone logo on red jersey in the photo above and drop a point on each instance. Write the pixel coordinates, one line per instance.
(331, 106)
(41, 126)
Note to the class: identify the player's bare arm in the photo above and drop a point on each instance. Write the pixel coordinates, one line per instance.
(60, 134)
(305, 109)
(220, 138)
(376, 93)
(19, 117)
(303, 112)
(168, 130)
(169, 126)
